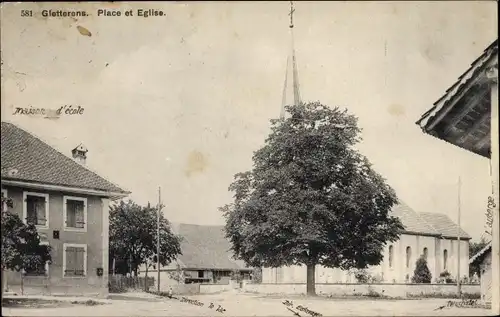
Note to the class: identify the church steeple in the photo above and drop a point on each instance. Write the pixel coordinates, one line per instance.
(291, 62)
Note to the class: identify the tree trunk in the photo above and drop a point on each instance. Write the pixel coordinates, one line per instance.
(311, 281)
(3, 281)
(146, 286)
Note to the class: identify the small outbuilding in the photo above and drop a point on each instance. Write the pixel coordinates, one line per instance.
(483, 257)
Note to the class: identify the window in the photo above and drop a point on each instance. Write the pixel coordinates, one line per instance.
(200, 274)
(425, 253)
(36, 209)
(391, 250)
(75, 213)
(75, 260)
(408, 256)
(445, 259)
(40, 270)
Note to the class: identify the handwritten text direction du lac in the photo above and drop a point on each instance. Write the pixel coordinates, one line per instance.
(198, 303)
(63, 110)
(289, 304)
(143, 13)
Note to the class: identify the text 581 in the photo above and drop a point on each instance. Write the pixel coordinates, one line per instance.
(26, 13)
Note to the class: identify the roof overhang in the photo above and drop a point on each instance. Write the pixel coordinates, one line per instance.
(63, 188)
(462, 116)
(479, 255)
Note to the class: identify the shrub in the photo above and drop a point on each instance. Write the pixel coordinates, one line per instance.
(422, 274)
(362, 276)
(116, 288)
(448, 279)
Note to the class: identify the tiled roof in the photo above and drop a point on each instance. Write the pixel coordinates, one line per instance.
(427, 223)
(444, 225)
(479, 255)
(38, 162)
(411, 221)
(205, 247)
(463, 81)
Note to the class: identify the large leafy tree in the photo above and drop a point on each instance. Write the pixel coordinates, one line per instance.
(311, 197)
(133, 237)
(21, 249)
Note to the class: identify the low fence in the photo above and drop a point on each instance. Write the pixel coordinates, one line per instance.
(217, 288)
(390, 290)
(120, 283)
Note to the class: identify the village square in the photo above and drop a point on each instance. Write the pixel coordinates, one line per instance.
(250, 159)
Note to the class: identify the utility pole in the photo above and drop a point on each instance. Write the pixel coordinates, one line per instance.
(458, 239)
(158, 238)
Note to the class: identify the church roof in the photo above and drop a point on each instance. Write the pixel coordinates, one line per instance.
(205, 247)
(427, 223)
(35, 161)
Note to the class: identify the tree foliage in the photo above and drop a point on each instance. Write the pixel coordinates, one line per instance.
(133, 237)
(21, 249)
(311, 197)
(422, 274)
(474, 248)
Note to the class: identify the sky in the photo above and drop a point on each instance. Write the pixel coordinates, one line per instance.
(182, 101)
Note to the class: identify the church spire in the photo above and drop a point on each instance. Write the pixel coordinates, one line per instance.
(295, 77)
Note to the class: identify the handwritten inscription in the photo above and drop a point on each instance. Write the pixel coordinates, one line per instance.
(192, 301)
(195, 302)
(489, 215)
(63, 110)
(290, 306)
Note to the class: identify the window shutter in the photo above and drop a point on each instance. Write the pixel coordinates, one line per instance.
(40, 209)
(80, 262)
(79, 215)
(70, 214)
(70, 261)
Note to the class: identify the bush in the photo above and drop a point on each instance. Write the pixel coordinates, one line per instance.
(114, 288)
(362, 276)
(422, 274)
(448, 279)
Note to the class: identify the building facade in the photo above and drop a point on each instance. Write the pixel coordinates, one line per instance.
(431, 235)
(68, 204)
(206, 258)
(467, 117)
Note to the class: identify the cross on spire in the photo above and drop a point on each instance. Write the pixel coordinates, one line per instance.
(292, 64)
(292, 10)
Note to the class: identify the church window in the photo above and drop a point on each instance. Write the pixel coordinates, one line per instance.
(391, 250)
(426, 253)
(445, 259)
(408, 256)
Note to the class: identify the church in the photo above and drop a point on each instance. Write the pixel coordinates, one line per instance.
(432, 235)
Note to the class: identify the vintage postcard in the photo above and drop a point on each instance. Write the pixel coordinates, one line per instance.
(250, 158)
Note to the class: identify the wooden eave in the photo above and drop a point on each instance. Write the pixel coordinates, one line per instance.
(462, 116)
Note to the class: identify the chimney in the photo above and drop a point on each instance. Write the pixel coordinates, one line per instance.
(80, 153)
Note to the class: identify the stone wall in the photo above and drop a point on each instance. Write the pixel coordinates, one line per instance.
(391, 290)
